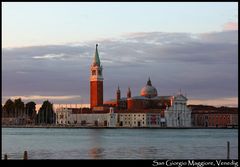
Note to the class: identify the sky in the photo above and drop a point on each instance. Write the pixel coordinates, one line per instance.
(47, 49)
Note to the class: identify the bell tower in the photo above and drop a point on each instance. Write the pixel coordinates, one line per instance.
(118, 96)
(96, 81)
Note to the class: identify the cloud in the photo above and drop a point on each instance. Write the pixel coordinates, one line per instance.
(49, 56)
(230, 26)
(37, 97)
(53, 99)
(21, 72)
(204, 65)
(231, 102)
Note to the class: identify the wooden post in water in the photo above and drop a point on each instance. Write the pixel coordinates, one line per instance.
(5, 157)
(25, 156)
(228, 150)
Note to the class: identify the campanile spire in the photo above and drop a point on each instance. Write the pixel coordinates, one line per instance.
(96, 60)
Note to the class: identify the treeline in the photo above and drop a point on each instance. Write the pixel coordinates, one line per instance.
(17, 109)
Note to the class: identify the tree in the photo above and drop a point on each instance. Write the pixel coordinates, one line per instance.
(31, 109)
(19, 107)
(46, 114)
(8, 109)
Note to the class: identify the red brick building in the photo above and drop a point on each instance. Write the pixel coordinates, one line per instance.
(148, 99)
(214, 117)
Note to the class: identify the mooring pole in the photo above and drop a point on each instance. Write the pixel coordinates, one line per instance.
(25, 156)
(228, 150)
(5, 157)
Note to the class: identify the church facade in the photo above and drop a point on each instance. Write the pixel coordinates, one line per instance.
(146, 110)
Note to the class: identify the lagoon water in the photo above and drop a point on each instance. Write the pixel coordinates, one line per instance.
(57, 143)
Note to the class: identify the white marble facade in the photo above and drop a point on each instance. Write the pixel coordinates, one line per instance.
(178, 115)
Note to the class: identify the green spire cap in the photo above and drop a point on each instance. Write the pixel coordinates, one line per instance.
(96, 60)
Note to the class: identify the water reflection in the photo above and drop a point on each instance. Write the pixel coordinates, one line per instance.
(96, 150)
(96, 153)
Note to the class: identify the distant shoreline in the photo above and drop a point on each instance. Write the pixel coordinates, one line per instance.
(101, 127)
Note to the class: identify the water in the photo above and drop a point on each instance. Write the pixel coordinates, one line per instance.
(46, 143)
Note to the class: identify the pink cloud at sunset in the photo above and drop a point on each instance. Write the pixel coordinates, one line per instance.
(230, 26)
(218, 102)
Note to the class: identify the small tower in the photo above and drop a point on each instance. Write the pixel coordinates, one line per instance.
(149, 83)
(129, 93)
(96, 82)
(118, 96)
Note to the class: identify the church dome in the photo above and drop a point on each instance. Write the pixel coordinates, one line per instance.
(148, 90)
